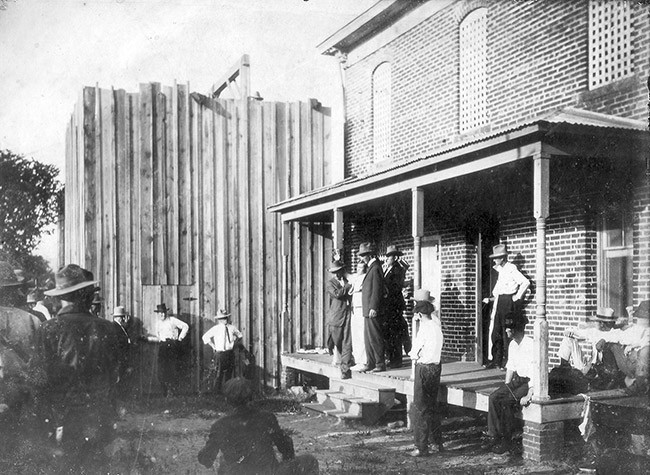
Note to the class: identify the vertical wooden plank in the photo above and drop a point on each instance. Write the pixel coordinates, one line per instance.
(271, 264)
(207, 210)
(295, 165)
(307, 278)
(160, 198)
(86, 249)
(233, 206)
(197, 200)
(319, 262)
(135, 208)
(146, 184)
(184, 191)
(171, 250)
(222, 177)
(106, 264)
(328, 171)
(244, 242)
(256, 200)
(122, 247)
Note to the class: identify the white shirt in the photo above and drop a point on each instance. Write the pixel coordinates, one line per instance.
(633, 336)
(510, 280)
(357, 284)
(521, 358)
(171, 328)
(39, 307)
(221, 337)
(427, 347)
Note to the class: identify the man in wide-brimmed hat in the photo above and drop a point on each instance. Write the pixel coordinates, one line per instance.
(396, 333)
(222, 338)
(170, 331)
(17, 347)
(80, 357)
(426, 356)
(339, 317)
(372, 297)
(508, 293)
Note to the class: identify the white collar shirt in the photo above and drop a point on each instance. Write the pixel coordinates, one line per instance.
(521, 358)
(171, 328)
(427, 348)
(221, 337)
(509, 280)
(39, 307)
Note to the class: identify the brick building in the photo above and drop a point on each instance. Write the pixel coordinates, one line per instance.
(473, 122)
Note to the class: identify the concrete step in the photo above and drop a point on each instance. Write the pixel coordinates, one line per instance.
(369, 411)
(342, 416)
(365, 389)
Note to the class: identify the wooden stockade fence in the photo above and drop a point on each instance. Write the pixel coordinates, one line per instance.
(166, 196)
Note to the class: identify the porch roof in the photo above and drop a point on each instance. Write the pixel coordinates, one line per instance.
(569, 131)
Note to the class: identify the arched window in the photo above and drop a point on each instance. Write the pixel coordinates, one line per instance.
(381, 112)
(609, 42)
(473, 70)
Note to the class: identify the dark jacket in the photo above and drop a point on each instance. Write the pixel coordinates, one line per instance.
(373, 289)
(246, 439)
(340, 300)
(394, 280)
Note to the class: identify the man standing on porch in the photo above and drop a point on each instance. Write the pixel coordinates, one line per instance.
(338, 317)
(426, 354)
(508, 291)
(396, 330)
(372, 296)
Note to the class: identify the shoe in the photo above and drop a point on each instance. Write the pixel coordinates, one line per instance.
(490, 365)
(502, 368)
(378, 369)
(346, 375)
(419, 453)
(361, 368)
(501, 448)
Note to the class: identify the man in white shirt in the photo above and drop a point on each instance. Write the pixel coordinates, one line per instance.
(222, 338)
(507, 298)
(425, 354)
(516, 391)
(170, 331)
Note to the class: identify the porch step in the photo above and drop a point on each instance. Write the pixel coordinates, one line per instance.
(342, 416)
(364, 389)
(346, 406)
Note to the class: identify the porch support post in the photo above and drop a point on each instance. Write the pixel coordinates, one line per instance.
(337, 234)
(417, 221)
(541, 211)
(284, 332)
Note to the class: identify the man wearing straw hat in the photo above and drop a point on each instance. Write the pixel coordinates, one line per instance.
(508, 292)
(222, 338)
(79, 357)
(338, 317)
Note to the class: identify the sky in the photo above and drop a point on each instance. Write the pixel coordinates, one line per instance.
(51, 49)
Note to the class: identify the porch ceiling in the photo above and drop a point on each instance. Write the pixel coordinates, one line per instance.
(569, 133)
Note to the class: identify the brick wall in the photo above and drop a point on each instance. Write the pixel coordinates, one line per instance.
(537, 62)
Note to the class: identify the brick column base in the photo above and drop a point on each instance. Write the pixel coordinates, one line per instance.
(543, 441)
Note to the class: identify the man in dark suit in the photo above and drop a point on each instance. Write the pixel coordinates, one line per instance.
(372, 298)
(338, 317)
(396, 330)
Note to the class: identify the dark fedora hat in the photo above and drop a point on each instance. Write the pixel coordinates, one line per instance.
(499, 250)
(336, 266)
(366, 248)
(161, 308)
(392, 250)
(70, 278)
(8, 277)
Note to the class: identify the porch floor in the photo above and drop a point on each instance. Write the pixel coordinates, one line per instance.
(465, 384)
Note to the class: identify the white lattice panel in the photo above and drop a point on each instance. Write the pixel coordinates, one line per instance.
(473, 74)
(381, 112)
(609, 42)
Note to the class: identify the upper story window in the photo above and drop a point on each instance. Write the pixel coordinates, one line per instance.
(381, 112)
(609, 42)
(473, 70)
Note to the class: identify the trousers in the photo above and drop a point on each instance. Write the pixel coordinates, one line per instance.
(425, 416)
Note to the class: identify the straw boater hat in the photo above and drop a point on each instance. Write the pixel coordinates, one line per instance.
(500, 250)
(366, 248)
(8, 277)
(336, 266)
(393, 251)
(71, 278)
(119, 311)
(221, 315)
(422, 299)
(604, 314)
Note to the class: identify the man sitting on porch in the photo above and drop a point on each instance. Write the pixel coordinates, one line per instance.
(516, 392)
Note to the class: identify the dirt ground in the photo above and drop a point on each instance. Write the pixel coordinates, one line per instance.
(161, 436)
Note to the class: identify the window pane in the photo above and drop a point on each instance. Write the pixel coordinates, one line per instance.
(473, 67)
(618, 284)
(609, 41)
(381, 112)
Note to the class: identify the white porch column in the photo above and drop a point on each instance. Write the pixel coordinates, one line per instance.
(337, 234)
(541, 211)
(417, 227)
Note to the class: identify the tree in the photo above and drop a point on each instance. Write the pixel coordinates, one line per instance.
(29, 194)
